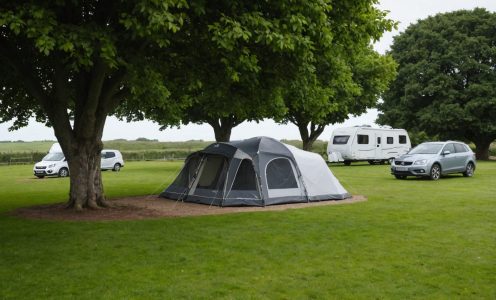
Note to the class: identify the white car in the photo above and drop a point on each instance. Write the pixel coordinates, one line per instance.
(55, 164)
(112, 160)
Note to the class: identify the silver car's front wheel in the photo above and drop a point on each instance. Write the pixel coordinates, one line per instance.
(469, 170)
(435, 172)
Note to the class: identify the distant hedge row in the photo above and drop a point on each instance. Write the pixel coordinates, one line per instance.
(32, 157)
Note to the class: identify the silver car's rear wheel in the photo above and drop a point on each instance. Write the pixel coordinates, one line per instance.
(435, 173)
(469, 170)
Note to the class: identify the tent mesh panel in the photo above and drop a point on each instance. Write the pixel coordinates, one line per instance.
(280, 174)
(245, 178)
(211, 173)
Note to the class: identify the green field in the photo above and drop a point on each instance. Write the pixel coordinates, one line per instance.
(125, 145)
(411, 239)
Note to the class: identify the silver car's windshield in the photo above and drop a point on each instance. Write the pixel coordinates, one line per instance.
(426, 149)
(56, 156)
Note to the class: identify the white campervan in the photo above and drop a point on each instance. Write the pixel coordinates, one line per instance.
(365, 143)
(55, 164)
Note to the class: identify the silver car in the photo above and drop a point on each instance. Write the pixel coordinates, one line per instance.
(434, 159)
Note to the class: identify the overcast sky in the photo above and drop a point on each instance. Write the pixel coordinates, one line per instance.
(403, 11)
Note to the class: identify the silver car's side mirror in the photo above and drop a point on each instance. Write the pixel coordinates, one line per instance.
(446, 152)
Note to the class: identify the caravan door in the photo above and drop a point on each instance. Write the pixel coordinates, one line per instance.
(365, 145)
(378, 143)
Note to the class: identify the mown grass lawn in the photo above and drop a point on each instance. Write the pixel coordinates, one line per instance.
(411, 239)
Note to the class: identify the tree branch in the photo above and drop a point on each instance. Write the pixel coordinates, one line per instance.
(32, 84)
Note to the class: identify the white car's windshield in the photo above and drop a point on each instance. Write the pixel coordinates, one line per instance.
(55, 156)
(426, 149)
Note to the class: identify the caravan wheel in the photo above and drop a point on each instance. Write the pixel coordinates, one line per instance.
(347, 162)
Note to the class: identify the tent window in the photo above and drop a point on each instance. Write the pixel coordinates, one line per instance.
(280, 174)
(184, 179)
(245, 178)
(211, 172)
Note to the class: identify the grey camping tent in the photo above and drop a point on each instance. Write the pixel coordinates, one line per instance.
(254, 172)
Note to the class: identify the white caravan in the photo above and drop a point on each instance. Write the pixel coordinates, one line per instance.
(365, 143)
(55, 164)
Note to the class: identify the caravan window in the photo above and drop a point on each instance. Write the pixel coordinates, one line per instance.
(280, 174)
(211, 172)
(340, 139)
(363, 139)
(390, 140)
(245, 178)
(402, 139)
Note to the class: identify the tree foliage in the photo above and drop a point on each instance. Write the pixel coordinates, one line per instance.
(345, 75)
(340, 86)
(241, 63)
(446, 82)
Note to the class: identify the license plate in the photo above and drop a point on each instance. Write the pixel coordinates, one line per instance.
(401, 168)
(38, 172)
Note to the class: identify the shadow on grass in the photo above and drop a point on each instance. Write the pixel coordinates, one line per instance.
(426, 178)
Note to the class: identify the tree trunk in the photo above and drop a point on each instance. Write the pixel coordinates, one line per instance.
(223, 134)
(308, 144)
(309, 135)
(76, 104)
(482, 148)
(86, 188)
(223, 127)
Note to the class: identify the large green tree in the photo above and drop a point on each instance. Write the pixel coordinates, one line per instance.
(243, 60)
(72, 63)
(236, 55)
(345, 76)
(446, 84)
(340, 86)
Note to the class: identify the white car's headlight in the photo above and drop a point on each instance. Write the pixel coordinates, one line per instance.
(420, 162)
(51, 166)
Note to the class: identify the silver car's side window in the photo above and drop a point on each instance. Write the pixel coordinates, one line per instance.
(460, 148)
(449, 147)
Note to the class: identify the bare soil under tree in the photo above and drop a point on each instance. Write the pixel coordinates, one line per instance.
(150, 207)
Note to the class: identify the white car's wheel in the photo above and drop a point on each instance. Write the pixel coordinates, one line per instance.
(117, 167)
(63, 172)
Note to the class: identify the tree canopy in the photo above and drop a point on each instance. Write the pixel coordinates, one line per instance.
(446, 84)
(70, 64)
(340, 86)
(242, 63)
